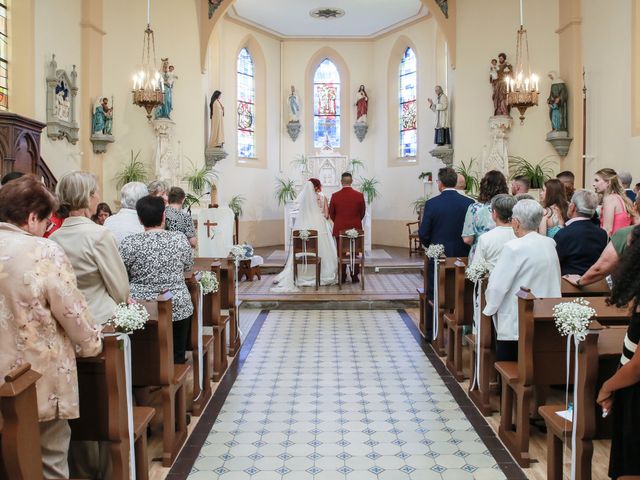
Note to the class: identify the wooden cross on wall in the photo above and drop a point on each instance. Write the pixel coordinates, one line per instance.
(209, 224)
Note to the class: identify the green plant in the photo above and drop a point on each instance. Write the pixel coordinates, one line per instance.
(537, 174)
(198, 179)
(285, 190)
(355, 165)
(236, 205)
(301, 161)
(419, 203)
(134, 171)
(423, 175)
(368, 186)
(472, 184)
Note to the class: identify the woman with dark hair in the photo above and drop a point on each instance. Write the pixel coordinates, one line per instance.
(103, 211)
(553, 198)
(621, 393)
(323, 203)
(156, 261)
(478, 219)
(216, 114)
(44, 318)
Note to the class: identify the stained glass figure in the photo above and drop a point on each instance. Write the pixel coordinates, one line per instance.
(246, 105)
(326, 105)
(408, 105)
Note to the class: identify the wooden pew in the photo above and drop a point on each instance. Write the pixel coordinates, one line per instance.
(103, 409)
(446, 278)
(200, 397)
(481, 396)
(458, 294)
(598, 358)
(227, 296)
(152, 365)
(20, 435)
(422, 298)
(215, 318)
(541, 362)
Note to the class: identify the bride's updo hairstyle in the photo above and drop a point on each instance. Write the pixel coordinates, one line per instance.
(317, 186)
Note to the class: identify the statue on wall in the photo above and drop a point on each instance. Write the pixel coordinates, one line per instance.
(216, 114)
(102, 124)
(62, 89)
(557, 101)
(168, 78)
(497, 74)
(441, 109)
(362, 105)
(293, 126)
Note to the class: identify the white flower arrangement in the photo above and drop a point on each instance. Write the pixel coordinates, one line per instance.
(573, 318)
(352, 233)
(304, 235)
(208, 282)
(477, 271)
(129, 317)
(435, 251)
(241, 252)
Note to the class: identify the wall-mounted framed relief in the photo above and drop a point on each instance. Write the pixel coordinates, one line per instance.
(62, 89)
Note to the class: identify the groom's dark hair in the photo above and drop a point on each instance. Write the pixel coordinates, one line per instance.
(448, 177)
(346, 178)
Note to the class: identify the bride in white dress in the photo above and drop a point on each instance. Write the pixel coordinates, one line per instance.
(311, 217)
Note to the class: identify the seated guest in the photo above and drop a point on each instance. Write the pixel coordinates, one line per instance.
(523, 196)
(461, 183)
(580, 243)
(156, 261)
(530, 261)
(554, 201)
(520, 185)
(103, 211)
(625, 181)
(491, 243)
(45, 319)
(91, 248)
(159, 188)
(125, 222)
(10, 176)
(442, 221)
(478, 217)
(620, 394)
(568, 180)
(178, 220)
(617, 210)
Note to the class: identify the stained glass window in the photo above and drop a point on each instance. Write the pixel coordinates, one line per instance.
(326, 105)
(246, 105)
(4, 86)
(408, 107)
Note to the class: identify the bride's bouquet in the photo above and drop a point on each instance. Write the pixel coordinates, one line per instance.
(241, 252)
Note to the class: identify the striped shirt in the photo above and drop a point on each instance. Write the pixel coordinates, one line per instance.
(631, 339)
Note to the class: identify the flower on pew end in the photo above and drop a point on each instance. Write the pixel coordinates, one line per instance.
(573, 318)
(477, 271)
(351, 233)
(129, 317)
(304, 235)
(208, 282)
(435, 250)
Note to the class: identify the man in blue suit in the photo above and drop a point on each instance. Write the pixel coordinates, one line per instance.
(442, 223)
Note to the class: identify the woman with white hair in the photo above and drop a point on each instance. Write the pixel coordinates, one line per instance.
(159, 188)
(529, 261)
(91, 248)
(126, 222)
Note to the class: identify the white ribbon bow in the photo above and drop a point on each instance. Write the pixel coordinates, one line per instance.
(477, 317)
(436, 307)
(200, 340)
(577, 338)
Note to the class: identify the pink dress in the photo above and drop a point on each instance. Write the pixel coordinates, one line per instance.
(620, 220)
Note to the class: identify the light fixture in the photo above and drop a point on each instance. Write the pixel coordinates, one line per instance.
(522, 89)
(148, 88)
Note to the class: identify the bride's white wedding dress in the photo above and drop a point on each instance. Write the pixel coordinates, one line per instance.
(310, 217)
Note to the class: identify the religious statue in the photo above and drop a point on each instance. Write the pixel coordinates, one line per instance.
(168, 78)
(497, 75)
(63, 105)
(362, 105)
(216, 114)
(102, 123)
(557, 101)
(441, 109)
(294, 106)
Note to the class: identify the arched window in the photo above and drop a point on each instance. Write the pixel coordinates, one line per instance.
(408, 107)
(4, 86)
(326, 105)
(246, 105)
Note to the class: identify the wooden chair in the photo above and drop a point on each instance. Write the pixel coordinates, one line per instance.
(415, 246)
(344, 254)
(103, 409)
(246, 270)
(152, 362)
(541, 363)
(305, 252)
(460, 294)
(598, 358)
(20, 435)
(200, 397)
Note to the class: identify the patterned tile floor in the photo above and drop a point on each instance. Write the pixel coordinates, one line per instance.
(335, 394)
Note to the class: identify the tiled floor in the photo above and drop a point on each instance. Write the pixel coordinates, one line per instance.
(335, 394)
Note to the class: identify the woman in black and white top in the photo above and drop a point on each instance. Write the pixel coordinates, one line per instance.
(621, 393)
(177, 219)
(156, 261)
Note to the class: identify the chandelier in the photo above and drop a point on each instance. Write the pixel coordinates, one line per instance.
(148, 88)
(522, 89)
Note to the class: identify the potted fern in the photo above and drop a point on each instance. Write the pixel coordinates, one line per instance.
(426, 177)
(134, 171)
(236, 205)
(537, 174)
(418, 204)
(199, 181)
(285, 190)
(354, 166)
(368, 187)
(472, 184)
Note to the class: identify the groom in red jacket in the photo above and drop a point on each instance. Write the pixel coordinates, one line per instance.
(347, 209)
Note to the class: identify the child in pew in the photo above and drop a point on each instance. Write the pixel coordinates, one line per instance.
(620, 395)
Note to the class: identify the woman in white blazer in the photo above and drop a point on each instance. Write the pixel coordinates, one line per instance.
(528, 261)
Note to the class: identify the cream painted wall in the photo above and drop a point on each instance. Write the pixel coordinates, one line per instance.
(59, 34)
(485, 29)
(607, 58)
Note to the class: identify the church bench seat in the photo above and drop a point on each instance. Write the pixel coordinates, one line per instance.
(458, 294)
(446, 275)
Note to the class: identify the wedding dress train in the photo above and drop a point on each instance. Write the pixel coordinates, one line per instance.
(310, 217)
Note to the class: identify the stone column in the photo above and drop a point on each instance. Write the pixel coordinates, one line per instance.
(497, 158)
